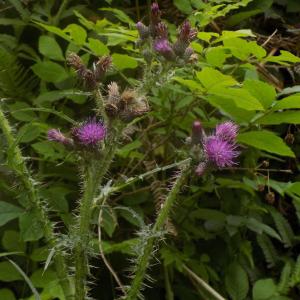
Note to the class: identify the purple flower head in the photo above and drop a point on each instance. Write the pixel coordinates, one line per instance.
(220, 152)
(186, 32)
(163, 47)
(56, 136)
(227, 131)
(90, 133)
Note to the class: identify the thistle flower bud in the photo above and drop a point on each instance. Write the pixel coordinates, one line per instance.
(113, 100)
(102, 66)
(186, 35)
(155, 13)
(143, 30)
(75, 61)
(197, 132)
(56, 136)
(161, 30)
(187, 54)
(289, 138)
(201, 168)
(163, 47)
(148, 56)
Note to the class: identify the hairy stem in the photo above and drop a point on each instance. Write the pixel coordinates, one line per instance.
(94, 172)
(162, 217)
(17, 163)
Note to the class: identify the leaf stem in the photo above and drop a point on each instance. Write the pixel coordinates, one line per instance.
(17, 162)
(143, 260)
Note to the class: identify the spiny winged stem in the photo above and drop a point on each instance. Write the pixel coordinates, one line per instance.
(94, 171)
(162, 217)
(17, 163)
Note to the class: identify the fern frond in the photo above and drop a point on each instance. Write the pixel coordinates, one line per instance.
(268, 249)
(15, 80)
(283, 228)
(295, 277)
(284, 282)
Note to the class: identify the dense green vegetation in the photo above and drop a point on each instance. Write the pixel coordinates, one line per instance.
(140, 213)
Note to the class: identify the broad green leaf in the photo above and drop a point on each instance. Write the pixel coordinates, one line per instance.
(50, 71)
(267, 141)
(289, 117)
(206, 36)
(29, 132)
(208, 214)
(8, 272)
(290, 102)
(77, 33)
(49, 47)
(191, 84)
(31, 228)
(294, 188)
(41, 278)
(236, 282)
(7, 294)
(241, 97)
(265, 93)
(124, 61)
(264, 289)
(233, 34)
(97, 47)
(55, 30)
(216, 56)
(22, 115)
(125, 150)
(8, 212)
(184, 6)
(210, 78)
(11, 241)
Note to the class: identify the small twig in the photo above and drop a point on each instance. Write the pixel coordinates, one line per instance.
(269, 38)
(106, 262)
(203, 284)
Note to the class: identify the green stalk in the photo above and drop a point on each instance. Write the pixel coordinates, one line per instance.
(17, 163)
(162, 217)
(94, 172)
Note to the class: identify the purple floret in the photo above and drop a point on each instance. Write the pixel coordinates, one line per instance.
(163, 47)
(220, 152)
(90, 133)
(227, 131)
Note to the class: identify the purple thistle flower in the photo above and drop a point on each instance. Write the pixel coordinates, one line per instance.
(163, 47)
(220, 152)
(56, 136)
(186, 32)
(90, 132)
(227, 131)
(155, 13)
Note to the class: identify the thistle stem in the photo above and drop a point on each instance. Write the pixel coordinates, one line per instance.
(143, 261)
(17, 163)
(94, 172)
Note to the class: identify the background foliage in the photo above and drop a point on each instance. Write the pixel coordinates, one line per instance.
(237, 229)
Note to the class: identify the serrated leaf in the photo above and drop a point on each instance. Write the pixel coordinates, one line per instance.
(267, 141)
(265, 93)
